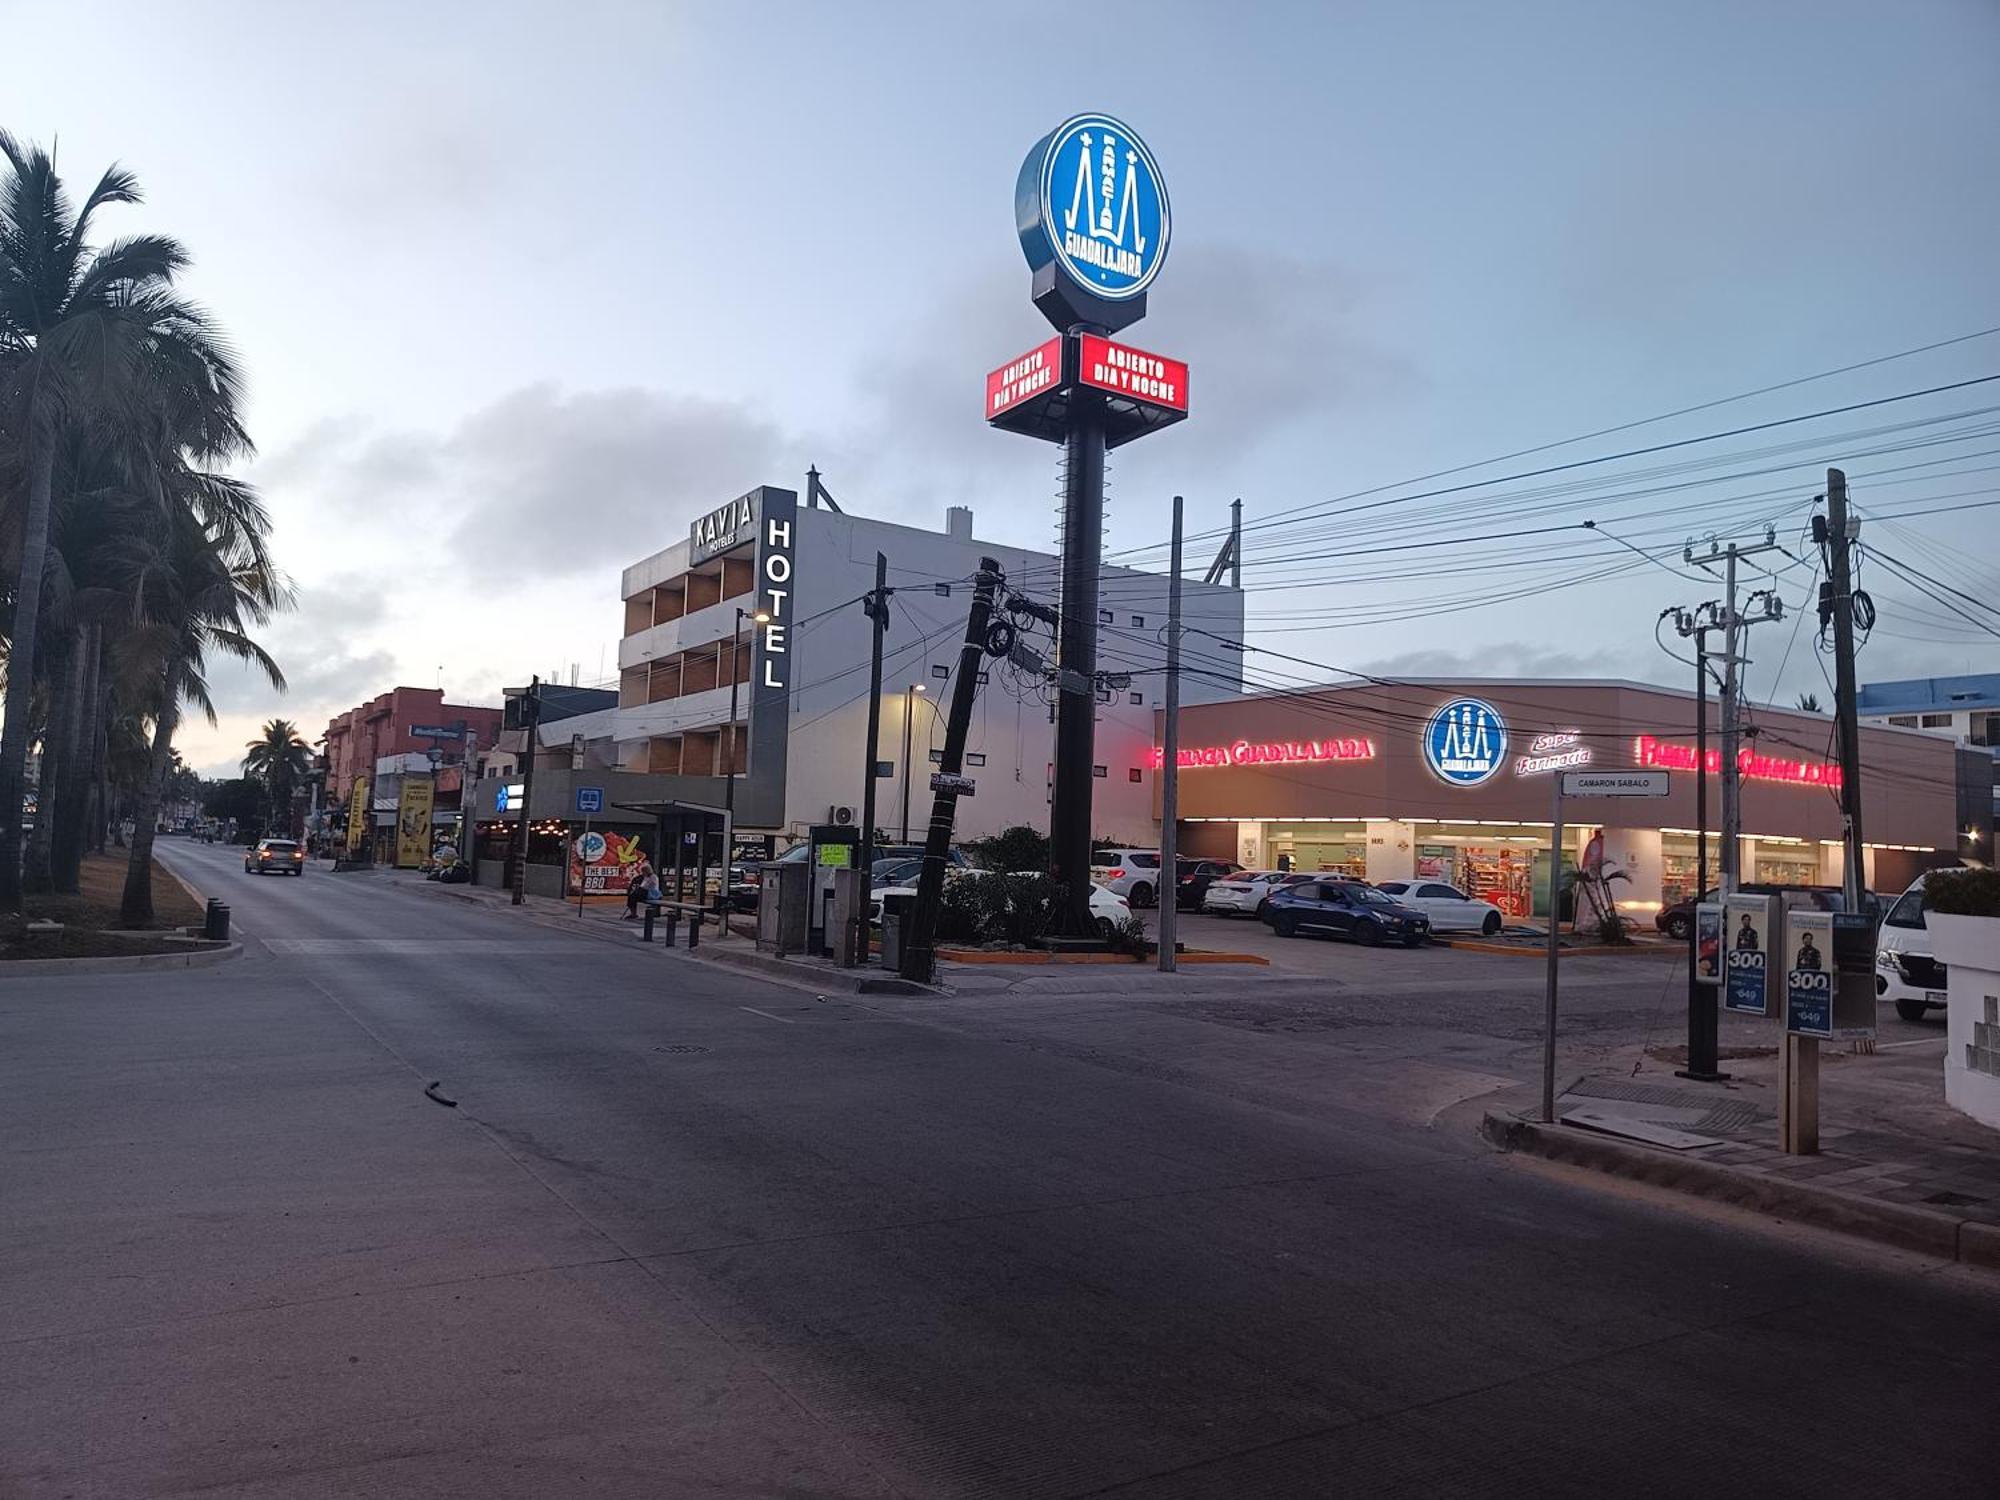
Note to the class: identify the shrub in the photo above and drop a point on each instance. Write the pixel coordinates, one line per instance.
(1129, 936)
(959, 913)
(1964, 893)
(1016, 848)
(1014, 908)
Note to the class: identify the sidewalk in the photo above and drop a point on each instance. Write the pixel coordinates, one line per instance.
(1895, 1163)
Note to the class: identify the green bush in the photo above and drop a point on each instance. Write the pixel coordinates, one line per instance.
(1014, 908)
(959, 912)
(1129, 936)
(1964, 893)
(1011, 849)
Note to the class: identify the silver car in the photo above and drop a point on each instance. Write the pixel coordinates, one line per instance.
(275, 856)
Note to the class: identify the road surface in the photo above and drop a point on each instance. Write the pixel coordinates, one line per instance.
(691, 1233)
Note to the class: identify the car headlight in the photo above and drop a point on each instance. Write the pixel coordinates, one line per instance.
(1887, 959)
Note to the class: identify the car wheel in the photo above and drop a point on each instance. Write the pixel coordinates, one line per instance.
(1104, 928)
(1492, 923)
(1368, 934)
(1413, 940)
(1264, 910)
(1678, 927)
(1285, 924)
(1142, 895)
(1912, 1010)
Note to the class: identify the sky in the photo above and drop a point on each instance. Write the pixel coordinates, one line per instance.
(521, 289)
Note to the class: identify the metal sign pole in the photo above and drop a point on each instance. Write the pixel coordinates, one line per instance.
(582, 863)
(1555, 924)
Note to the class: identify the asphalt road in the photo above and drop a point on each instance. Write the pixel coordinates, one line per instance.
(688, 1233)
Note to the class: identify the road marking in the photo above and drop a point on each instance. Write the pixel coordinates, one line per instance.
(319, 946)
(1922, 1041)
(786, 1020)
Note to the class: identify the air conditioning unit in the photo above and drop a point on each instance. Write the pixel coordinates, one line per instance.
(839, 816)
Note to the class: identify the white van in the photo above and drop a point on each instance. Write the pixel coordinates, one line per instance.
(1905, 972)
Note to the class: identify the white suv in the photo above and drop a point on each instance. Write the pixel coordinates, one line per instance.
(1905, 971)
(1131, 873)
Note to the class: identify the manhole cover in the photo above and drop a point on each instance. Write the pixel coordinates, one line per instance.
(681, 1047)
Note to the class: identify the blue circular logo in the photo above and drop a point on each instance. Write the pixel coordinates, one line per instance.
(1465, 742)
(1091, 199)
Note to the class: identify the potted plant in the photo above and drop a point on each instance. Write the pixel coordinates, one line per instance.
(1962, 911)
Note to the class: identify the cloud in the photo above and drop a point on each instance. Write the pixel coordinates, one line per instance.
(1514, 659)
(542, 481)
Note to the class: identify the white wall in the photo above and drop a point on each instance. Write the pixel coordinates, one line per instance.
(1010, 722)
(1392, 850)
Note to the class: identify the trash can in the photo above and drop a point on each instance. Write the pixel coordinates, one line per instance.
(215, 921)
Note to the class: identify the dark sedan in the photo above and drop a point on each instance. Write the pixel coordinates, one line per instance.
(1345, 908)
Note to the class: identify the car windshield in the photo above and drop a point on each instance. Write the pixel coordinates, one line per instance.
(1908, 911)
(1368, 895)
(1393, 887)
(279, 846)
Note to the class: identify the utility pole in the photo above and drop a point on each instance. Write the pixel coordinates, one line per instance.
(919, 948)
(533, 713)
(1764, 605)
(877, 609)
(1170, 784)
(1076, 662)
(909, 712)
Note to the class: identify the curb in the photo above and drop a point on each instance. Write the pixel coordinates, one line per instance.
(1904, 1226)
(1541, 950)
(55, 968)
(814, 975)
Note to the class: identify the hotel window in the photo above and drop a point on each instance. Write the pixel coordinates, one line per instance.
(1104, 617)
(943, 590)
(1903, 721)
(939, 669)
(1138, 622)
(1986, 729)
(1138, 700)
(1134, 774)
(974, 758)
(937, 757)
(1937, 721)
(1100, 771)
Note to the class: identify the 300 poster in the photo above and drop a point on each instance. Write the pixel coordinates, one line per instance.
(1747, 936)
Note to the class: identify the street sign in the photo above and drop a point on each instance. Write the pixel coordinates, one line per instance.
(958, 786)
(590, 799)
(1616, 783)
(437, 731)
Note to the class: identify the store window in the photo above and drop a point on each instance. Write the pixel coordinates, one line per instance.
(1785, 864)
(1937, 721)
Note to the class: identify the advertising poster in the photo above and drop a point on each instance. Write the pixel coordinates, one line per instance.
(1854, 976)
(1747, 937)
(1809, 975)
(413, 822)
(357, 814)
(1708, 943)
(601, 864)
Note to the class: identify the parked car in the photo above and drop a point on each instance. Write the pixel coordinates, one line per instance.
(1345, 908)
(279, 856)
(1677, 921)
(1244, 893)
(1196, 876)
(1905, 972)
(1131, 873)
(1449, 908)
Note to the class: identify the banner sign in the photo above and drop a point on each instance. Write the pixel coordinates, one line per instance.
(1125, 371)
(601, 864)
(437, 731)
(1273, 752)
(1749, 932)
(1749, 763)
(1708, 943)
(722, 528)
(357, 814)
(1090, 199)
(1034, 372)
(1809, 980)
(413, 822)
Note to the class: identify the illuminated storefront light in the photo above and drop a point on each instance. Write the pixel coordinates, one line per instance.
(1753, 766)
(1267, 752)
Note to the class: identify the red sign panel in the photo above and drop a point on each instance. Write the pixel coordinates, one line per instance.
(1277, 752)
(1125, 371)
(1034, 372)
(1751, 765)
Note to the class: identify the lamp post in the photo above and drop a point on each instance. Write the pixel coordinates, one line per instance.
(758, 617)
(909, 709)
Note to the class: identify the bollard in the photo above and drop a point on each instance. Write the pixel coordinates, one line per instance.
(694, 929)
(215, 921)
(652, 911)
(673, 926)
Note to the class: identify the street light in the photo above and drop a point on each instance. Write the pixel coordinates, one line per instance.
(729, 787)
(909, 708)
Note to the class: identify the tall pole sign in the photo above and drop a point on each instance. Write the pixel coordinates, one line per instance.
(1094, 220)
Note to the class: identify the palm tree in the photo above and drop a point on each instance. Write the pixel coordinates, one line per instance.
(200, 586)
(87, 336)
(1809, 703)
(280, 759)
